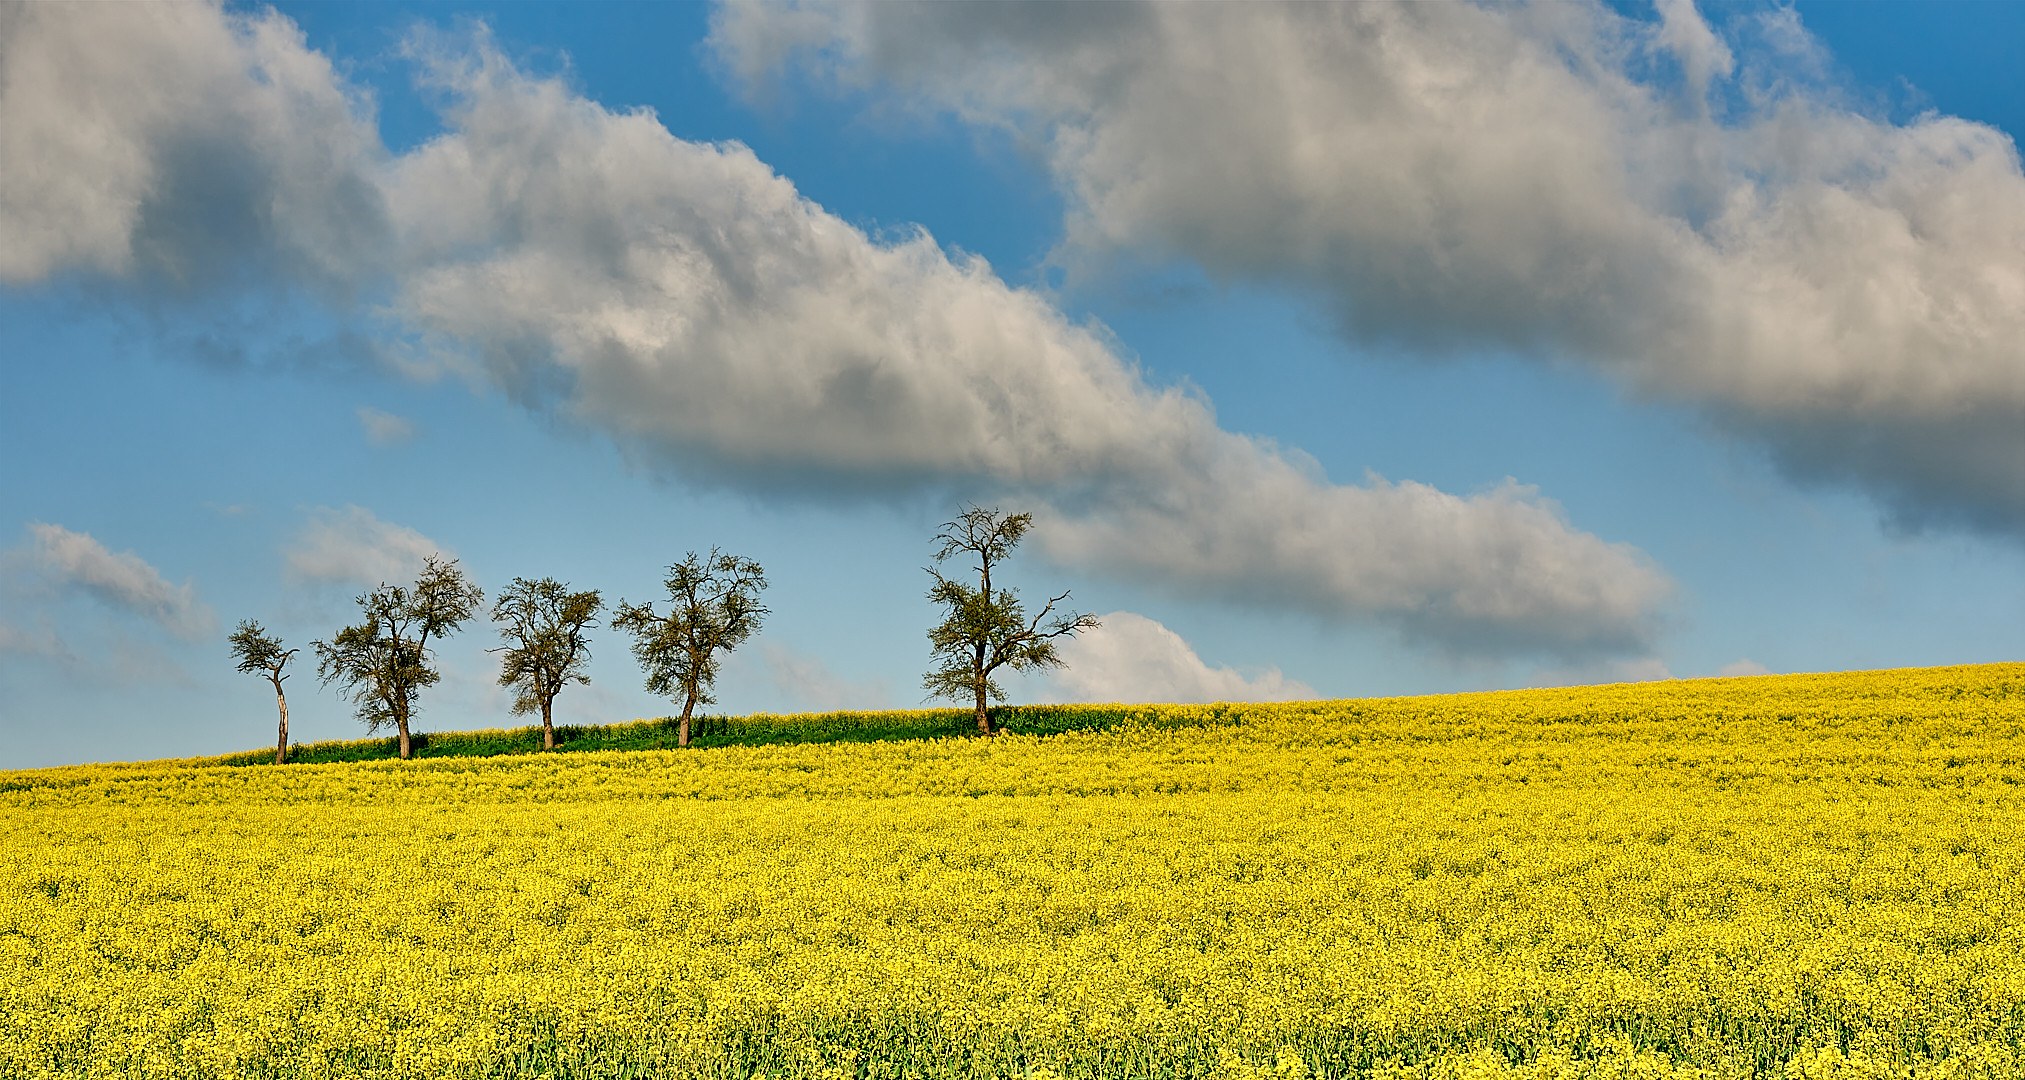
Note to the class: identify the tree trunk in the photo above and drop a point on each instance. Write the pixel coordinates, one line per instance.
(402, 723)
(688, 706)
(547, 726)
(980, 678)
(281, 741)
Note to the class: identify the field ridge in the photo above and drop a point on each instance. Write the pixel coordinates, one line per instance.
(883, 725)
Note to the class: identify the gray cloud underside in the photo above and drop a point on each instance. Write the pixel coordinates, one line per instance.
(1695, 213)
(168, 141)
(685, 299)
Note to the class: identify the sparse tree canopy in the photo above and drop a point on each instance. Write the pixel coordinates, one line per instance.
(383, 662)
(714, 607)
(986, 630)
(260, 653)
(543, 624)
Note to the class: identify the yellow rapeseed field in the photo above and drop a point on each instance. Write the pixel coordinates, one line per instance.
(1806, 876)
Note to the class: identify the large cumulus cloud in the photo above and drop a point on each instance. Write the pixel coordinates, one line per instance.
(1686, 208)
(688, 301)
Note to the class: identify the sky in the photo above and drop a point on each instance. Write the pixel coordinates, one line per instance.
(1338, 351)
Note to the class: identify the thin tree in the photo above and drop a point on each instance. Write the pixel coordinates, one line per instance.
(383, 662)
(714, 607)
(986, 630)
(260, 653)
(543, 624)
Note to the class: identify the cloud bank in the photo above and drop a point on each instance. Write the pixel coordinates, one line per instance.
(1687, 209)
(1132, 658)
(123, 581)
(688, 301)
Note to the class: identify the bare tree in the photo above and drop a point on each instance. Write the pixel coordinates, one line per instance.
(260, 653)
(985, 630)
(714, 607)
(383, 663)
(543, 624)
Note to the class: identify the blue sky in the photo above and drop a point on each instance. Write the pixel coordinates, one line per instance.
(1540, 344)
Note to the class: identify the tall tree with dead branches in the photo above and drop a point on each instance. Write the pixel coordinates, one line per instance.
(986, 630)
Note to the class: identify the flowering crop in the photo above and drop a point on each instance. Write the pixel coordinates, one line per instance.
(1804, 876)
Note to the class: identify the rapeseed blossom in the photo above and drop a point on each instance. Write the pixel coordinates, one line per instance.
(1804, 876)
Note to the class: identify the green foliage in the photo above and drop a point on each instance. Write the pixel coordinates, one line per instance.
(757, 729)
(543, 624)
(383, 662)
(376, 665)
(714, 607)
(258, 652)
(987, 629)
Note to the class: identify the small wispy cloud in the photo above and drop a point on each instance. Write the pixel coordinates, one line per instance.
(385, 428)
(1742, 668)
(19, 641)
(354, 546)
(124, 580)
(810, 684)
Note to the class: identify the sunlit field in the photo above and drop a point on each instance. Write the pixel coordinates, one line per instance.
(1818, 876)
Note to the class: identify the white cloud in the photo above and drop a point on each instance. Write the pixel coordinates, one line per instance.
(1132, 658)
(177, 140)
(687, 299)
(1497, 573)
(1742, 668)
(1701, 54)
(124, 581)
(1847, 291)
(810, 684)
(690, 302)
(353, 546)
(385, 428)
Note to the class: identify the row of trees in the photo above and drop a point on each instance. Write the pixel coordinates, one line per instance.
(383, 663)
